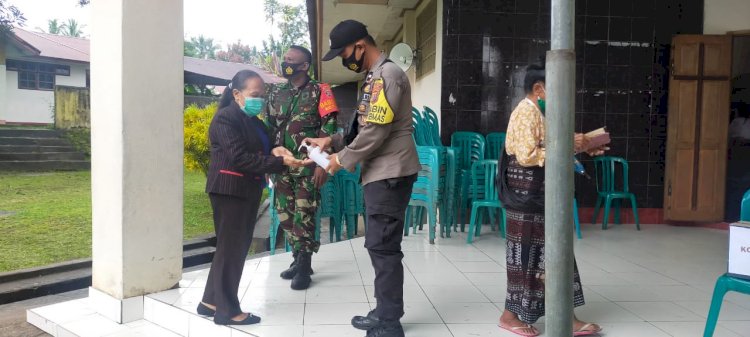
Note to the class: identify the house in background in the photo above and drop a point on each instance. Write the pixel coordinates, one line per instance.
(33, 65)
(470, 68)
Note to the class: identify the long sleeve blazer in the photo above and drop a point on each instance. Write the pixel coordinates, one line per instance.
(239, 158)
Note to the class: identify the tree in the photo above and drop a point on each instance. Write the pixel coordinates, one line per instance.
(53, 27)
(206, 49)
(190, 49)
(72, 28)
(9, 16)
(292, 24)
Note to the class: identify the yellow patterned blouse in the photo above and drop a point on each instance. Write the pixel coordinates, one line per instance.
(525, 135)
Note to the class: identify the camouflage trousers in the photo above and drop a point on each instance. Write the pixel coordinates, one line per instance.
(296, 203)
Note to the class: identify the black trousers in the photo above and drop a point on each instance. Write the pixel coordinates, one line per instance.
(385, 203)
(234, 222)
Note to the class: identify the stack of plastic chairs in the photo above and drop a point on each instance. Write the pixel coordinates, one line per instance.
(329, 207)
(482, 177)
(351, 199)
(275, 223)
(425, 192)
(470, 148)
(433, 133)
(495, 144)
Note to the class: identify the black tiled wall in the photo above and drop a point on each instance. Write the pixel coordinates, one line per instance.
(622, 49)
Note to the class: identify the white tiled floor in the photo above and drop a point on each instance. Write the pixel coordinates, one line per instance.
(652, 283)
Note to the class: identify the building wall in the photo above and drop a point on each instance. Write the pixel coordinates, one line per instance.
(426, 90)
(36, 106)
(723, 16)
(622, 73)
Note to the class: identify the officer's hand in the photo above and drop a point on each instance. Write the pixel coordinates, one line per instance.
(281, 151)
(598, 151)
(333, 166)
(323, 143)
(580, 141)
(320, 177)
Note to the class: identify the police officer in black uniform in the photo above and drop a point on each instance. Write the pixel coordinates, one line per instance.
(380, 140)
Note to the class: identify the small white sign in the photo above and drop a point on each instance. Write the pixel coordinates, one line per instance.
(739, 249)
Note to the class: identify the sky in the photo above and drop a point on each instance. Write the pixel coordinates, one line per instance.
(226, 21)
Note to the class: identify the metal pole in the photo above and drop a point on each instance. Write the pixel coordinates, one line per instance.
(560, 118)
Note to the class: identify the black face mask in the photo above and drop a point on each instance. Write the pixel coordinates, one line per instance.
(352, 63)
(289, 70)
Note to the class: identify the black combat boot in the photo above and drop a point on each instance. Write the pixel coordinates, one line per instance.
(301, 280)
(289, 273)
(387, 329)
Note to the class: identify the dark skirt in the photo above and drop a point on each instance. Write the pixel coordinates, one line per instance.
(525, 250)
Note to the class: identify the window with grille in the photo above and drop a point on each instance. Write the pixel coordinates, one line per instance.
(35, 75)
(427, 39)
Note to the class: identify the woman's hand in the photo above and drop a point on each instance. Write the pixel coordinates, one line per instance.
(294, 162)
(281, 151)
(598, 151)
(322, 143)
(580, 141)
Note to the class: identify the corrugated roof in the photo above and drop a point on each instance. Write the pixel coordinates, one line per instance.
(78, 49)
(56, 46)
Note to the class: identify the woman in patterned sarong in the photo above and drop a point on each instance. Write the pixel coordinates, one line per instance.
(524, 146)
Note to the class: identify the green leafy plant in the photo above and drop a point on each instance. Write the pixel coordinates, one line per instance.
(197, 146)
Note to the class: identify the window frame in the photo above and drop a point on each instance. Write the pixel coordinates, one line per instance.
(37, 75)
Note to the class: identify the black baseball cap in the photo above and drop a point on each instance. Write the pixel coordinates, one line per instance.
(344, 34)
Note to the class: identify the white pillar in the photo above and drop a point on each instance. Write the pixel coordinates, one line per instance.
(137, 152)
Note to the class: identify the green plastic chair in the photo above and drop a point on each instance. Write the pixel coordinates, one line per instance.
(483, 177)
(329, 207)
(726, 282)
(426, 189)
(446, 199)
(352, 200)
(495, 144)
(607, 189)
(471, 148)
(575, 218)
(434, 126)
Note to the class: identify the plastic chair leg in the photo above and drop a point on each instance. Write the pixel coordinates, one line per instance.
(575, 219)
(597, 208)
(491, 211)
(351, 224)
(721, 288)
(480, 221)
(618, 208)
(407, 220)
(607, 206)
(635, 212)
(432, 224)
(503, 223)
(472, 224)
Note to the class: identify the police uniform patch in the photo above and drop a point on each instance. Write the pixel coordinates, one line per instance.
(379, 112)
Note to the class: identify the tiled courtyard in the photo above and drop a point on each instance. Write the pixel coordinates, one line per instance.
(652, 283)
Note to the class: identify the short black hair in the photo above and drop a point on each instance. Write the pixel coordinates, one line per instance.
(305, 51)
(370, 40)
(534, 74)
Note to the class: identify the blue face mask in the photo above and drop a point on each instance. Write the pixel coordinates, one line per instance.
(253, 106)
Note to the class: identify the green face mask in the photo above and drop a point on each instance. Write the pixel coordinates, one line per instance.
(253, 106)
(542, 104)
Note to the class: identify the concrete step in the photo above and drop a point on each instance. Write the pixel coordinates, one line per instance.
(42, 156)
(33, 141)
(44, 165)
(30, 133)
(35, 149)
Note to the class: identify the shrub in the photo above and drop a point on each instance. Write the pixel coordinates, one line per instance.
(197, 146)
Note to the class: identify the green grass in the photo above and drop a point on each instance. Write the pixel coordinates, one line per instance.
(51, 216)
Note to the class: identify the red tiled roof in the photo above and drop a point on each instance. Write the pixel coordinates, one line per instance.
(56, 46)
(225, 70)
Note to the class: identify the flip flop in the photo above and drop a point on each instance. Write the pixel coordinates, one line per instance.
(584, 330)
(515, 330)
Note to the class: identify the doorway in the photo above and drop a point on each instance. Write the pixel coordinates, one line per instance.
(738, 156)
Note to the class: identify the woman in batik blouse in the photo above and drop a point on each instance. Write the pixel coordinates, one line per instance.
(524, 146)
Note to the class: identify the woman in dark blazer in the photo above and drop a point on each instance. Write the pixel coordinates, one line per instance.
(240, 158)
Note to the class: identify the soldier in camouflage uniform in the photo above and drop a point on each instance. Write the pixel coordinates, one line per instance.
(299, 109)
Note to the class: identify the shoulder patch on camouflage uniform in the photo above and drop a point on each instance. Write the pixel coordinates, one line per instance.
(327, 104)
(380, 111)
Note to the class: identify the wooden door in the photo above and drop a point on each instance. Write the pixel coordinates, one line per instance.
(696, 158)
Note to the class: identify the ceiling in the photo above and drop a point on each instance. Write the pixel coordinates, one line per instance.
(382, 21)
